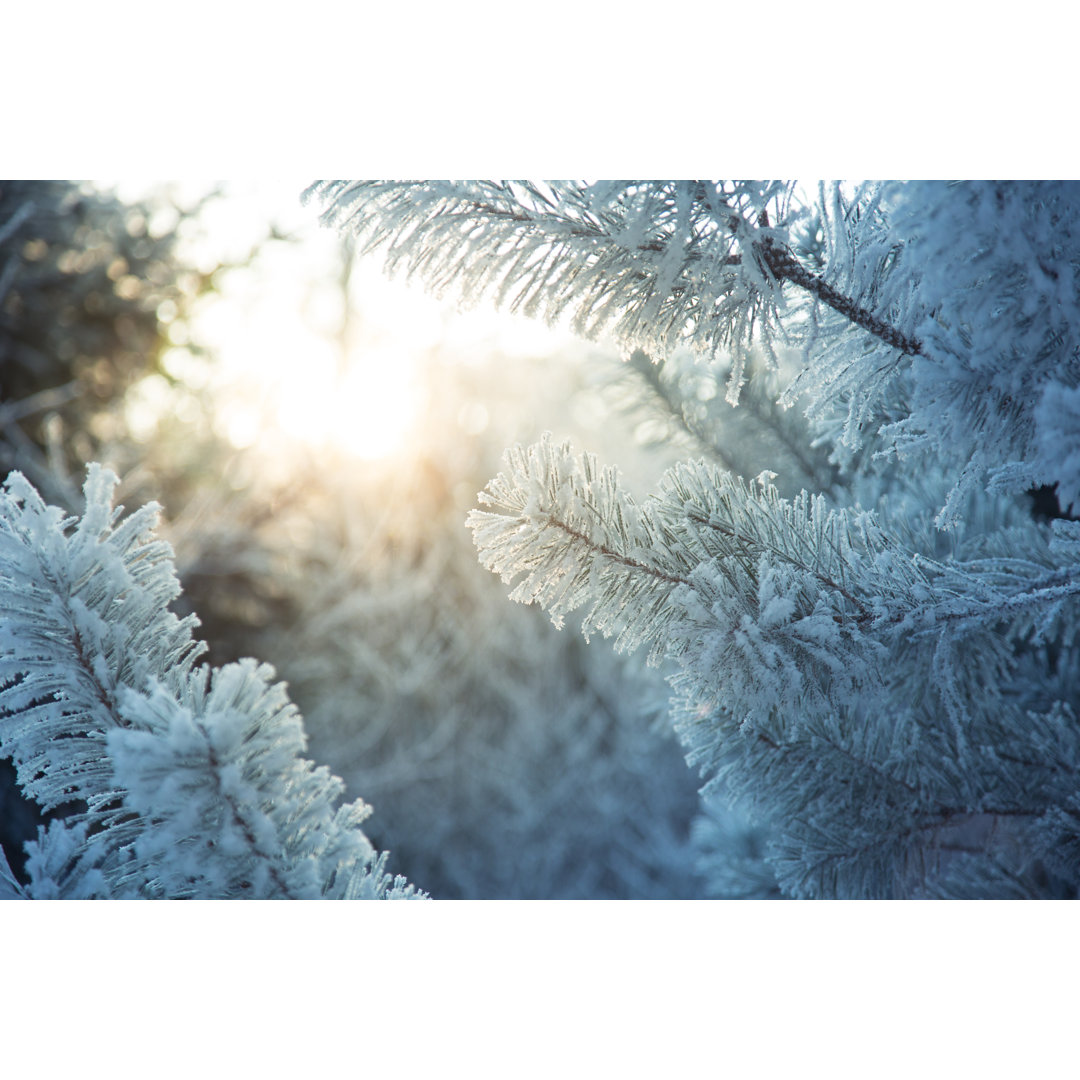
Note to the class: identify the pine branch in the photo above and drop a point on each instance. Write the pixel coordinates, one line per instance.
(667, 250)
(786, 267)
(654, 263)
(192, 778)
(576, 539)
(764, 601)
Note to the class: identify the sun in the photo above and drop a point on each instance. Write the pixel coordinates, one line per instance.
(295, 366)
(276, 395)
(364, 408)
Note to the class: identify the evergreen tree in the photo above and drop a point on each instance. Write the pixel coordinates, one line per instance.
(880, 675)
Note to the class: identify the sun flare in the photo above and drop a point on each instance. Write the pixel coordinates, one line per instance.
(365, 410)
(309, 352)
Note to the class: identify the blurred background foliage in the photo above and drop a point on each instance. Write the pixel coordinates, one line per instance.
(315, 439)
(88, 288)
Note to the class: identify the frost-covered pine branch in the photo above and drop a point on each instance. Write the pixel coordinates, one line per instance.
(186, 781)
(813, 651)
(732, 581)
(655, 264)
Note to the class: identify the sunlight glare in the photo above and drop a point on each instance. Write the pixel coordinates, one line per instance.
(297, 361)
(367, 413)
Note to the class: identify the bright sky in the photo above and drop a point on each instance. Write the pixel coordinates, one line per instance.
(282, 374)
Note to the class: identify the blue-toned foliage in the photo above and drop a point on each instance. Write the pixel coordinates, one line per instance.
(882, 677)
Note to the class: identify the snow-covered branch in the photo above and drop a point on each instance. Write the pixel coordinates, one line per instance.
(191, 778)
